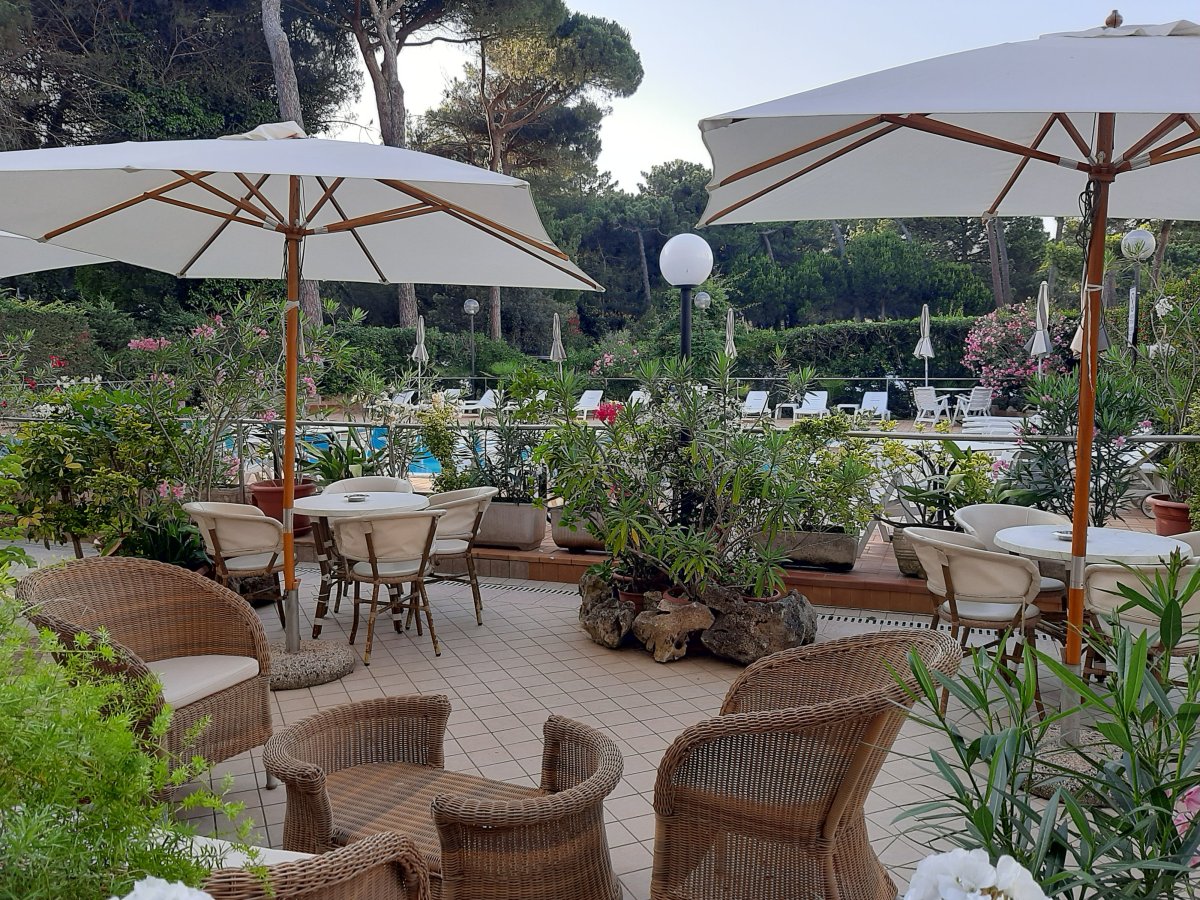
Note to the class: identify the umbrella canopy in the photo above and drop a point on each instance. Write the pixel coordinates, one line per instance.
(558, 353)
(1047, 127)
(1040, 344)
(730, 348)
(924, 348)
(19, 256)
(269, 203)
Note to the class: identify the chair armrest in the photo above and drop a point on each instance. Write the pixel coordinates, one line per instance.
(574, 753)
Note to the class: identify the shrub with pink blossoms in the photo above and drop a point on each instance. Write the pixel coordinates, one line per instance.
(995, 350)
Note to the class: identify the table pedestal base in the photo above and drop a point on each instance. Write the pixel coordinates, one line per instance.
(317, 662)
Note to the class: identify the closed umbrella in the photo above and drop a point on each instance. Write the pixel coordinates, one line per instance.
(273, 202)
(419, 354)
(924, 348)
(1044, 127)
(1040, 345)
(558, 353)
(730, 348)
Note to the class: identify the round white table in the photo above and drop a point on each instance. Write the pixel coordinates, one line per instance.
(1133, 548)
(326, 506)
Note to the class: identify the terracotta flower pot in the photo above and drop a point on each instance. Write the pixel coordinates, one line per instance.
(268, 496)
(1170, 516)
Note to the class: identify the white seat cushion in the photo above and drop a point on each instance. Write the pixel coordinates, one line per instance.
(229, 856)
(1052, 584)
(186, 679)
(254, 562)
(987, 611)
(449, 547)
(389, 569)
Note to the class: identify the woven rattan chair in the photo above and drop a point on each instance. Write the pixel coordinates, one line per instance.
(455, 539)
(203, 641)
(380, 867)
(765, 802)
(388, 550)
(376, 766)
(243, 542)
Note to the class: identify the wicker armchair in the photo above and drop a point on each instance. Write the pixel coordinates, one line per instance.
(376, 766)
(765, 802)
(381, 867)
(166, 620)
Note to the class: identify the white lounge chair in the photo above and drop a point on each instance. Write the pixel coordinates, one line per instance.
(403, 398)
(930, 407)
(477, 407)
(756, 405)
(816, 403)
(589, 403)
(637, 397)
(875, 403)
(977, 403)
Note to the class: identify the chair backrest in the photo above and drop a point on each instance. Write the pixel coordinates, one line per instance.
(636, 397)
(403, 398)
(391, 537)
(991, 425)
(755, 403)
(452, 395)
(983, 520)
(239, 527)
(378, 483)
(815, 400)
(589, 401)
(381, 867)
(1192, 539)
(980, 399)
(487, 401)
(925, 398)
(1102, 596)
(463, 510)
(815, 760)
(976, 573)
(875, 402)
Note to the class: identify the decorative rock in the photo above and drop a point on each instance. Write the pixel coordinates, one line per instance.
(318, 662)
(747, 631)
(666, 634)
(605, 618)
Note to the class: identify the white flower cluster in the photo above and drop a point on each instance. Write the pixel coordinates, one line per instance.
(151, 888)
(963, 875)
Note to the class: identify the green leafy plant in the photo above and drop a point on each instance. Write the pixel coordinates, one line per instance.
(938, 479)
(338, 459)
(500, 454)
(1121, 818)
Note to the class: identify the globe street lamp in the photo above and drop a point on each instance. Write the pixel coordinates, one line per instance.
(686, 261)
(1137, 245)
(471, 307)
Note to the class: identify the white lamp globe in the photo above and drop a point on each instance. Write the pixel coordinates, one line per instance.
(703, 300)
(686, 260)
(1138, 244)
(470, 306)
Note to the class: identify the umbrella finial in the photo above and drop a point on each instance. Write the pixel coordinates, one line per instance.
(1114, 20)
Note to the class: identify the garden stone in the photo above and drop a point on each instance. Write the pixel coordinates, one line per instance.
(667, 634)
(747, 631)
(605, 618)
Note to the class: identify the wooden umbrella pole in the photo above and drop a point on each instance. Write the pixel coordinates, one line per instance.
(1102, 176)
(291, 377)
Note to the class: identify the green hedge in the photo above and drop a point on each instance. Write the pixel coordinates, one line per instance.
(80, 336)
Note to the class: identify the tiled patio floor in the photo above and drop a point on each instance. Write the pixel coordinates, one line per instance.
(530, 659)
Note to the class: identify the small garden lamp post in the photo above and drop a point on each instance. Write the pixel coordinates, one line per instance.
(1137, 245)
(686, 262)
(471, 308)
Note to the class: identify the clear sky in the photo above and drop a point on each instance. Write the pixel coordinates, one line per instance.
(704, 57)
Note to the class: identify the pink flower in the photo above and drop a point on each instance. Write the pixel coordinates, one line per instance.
(204, 332)
(268, 416)
(166, 489)
(1146, 424)
(1119, 441)
(149, 344)
(260, 332)
(217, 320)
(310, 386)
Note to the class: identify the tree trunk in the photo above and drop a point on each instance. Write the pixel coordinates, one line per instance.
(406, 305)
(1005, 268)
(766, 238)
(1160, 251)
(288, 90)
(494, 306)
(641, 242)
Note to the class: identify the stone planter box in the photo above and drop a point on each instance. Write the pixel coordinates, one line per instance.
(573, 539)
(518, 526)
(837, 552)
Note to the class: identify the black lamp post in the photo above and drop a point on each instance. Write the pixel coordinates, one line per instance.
(1138, 246)
(471, 307)
(686, 261)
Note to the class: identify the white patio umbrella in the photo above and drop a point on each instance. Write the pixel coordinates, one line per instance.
(924, 348)
(730, 347)
(558, 353)
(274, 203)
(1026, 128)
(420, 355)
(20, 255)
(1040, 345)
